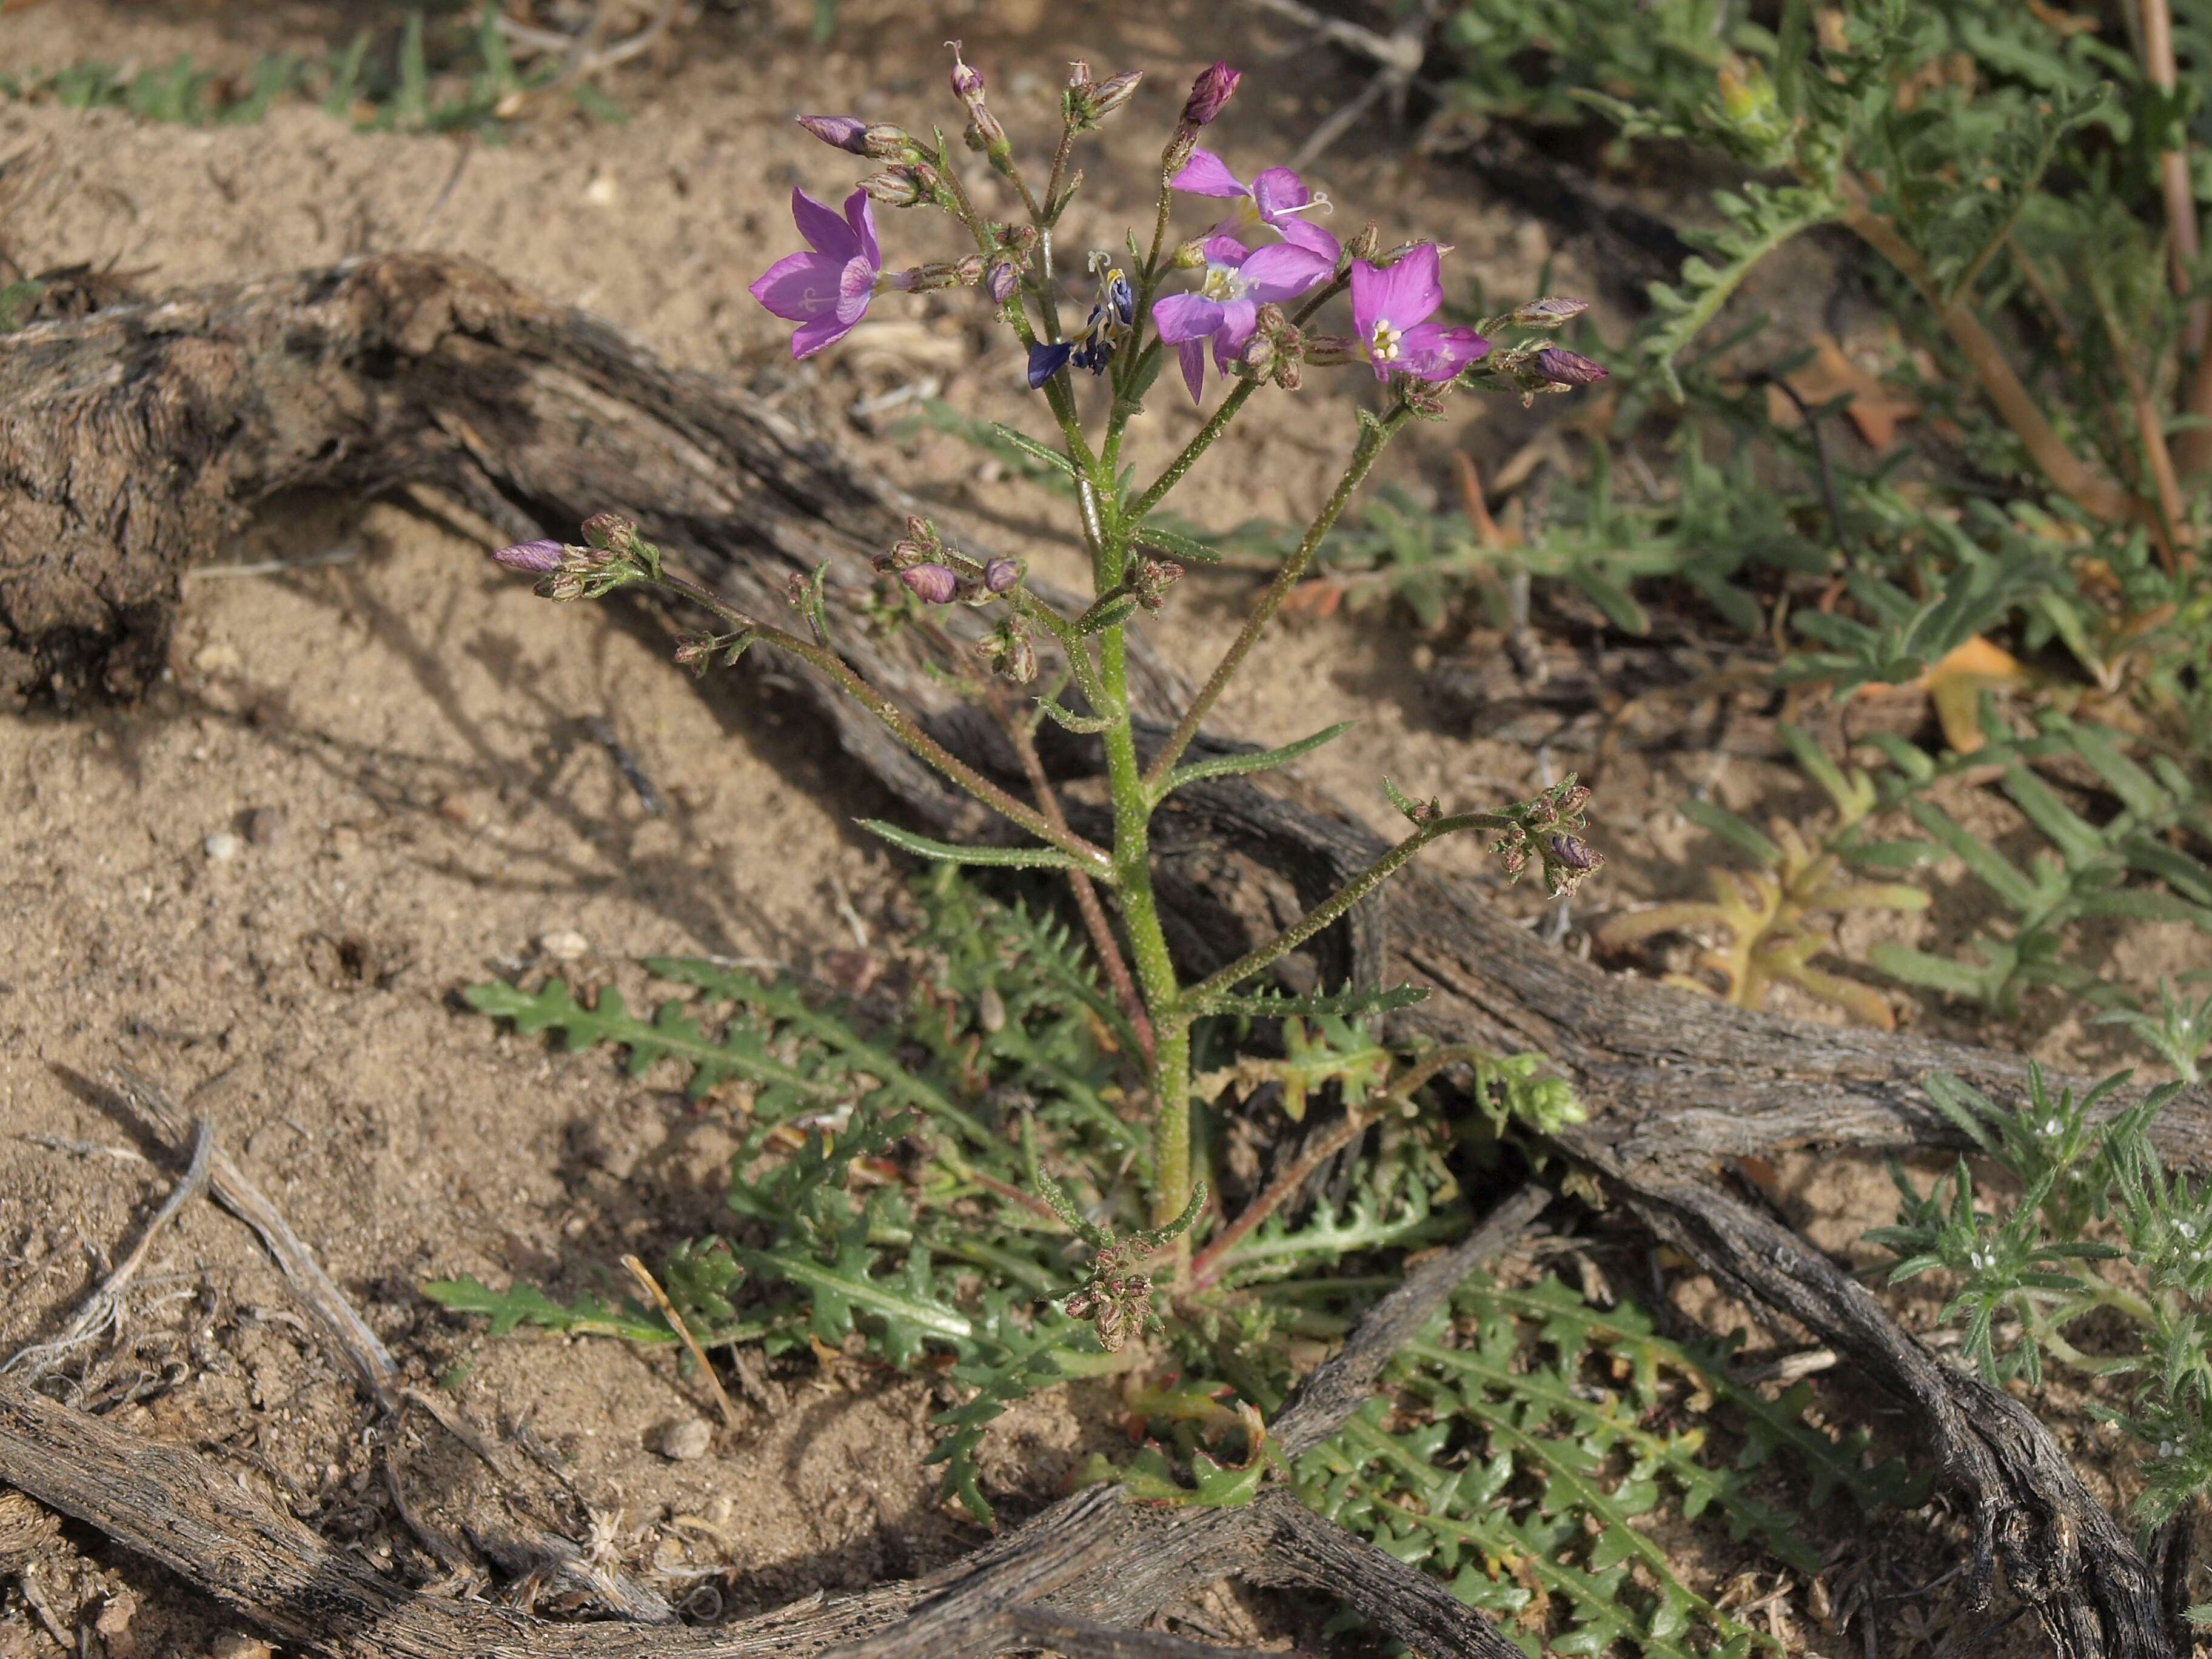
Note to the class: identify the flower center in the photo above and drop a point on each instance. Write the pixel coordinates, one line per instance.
(1383, 343)
(1222, 283)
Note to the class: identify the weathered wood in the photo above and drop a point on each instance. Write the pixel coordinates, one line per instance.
(132, 440)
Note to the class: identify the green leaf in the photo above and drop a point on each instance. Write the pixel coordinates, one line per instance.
(928, 846)
(1240, 765)
(1756, 222)
(1176, 543)
(1739, 833)
(1044, 454)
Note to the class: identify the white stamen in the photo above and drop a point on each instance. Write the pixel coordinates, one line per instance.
(1382, 344)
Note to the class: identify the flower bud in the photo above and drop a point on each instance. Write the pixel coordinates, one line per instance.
(1367, 244)
(1549, 312)
(1021, 238)
(1331, 350)
(1567, 861)
(694, 651)
(921, 530)
(1214, 88)
(1094, 102)
(999, 281)
(1563, 367)
(968, 271)
(845, 133)
(1270, 321)
(537, 557)
(1259, 354)
(1019, 664)
(897, 187)
(1001, 575)
(1191, 255)
(932, 584)
(985, 136)
(1288, 374)
(612, 531)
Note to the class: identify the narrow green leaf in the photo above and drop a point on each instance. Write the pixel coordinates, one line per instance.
(1261, 760)
(1739, 833)
(928, 846)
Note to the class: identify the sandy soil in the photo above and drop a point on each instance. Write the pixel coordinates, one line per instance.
(374, 779)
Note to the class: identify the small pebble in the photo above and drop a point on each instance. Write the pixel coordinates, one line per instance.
(222, 846)
(564, 945)
(680, 1441)
(265, 824)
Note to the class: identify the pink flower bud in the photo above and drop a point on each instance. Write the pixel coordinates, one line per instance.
(845, 133)
(537, 557)
(967, 84)
(899, 187)
(1001, 575)
(1000, 281)
(611, 530)
(1564, 368)
(932, 584)
(1214, 88)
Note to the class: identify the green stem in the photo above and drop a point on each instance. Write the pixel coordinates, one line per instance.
(1372, 442)
(900, 725)
(1214, 428)
(1337, 903)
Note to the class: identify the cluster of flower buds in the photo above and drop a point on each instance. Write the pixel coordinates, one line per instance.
(1150, 579)
(1215, 86)
(1008, 650)
(613, 554)
(1087, 102)
(1277, 350)
(1547, 830)
(1534, 367)
(984, 135)
(1115, 1302)
(936, 575)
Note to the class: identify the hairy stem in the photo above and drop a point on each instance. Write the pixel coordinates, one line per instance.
(1086, 891)
(901, 726)
(1372, 442)
(1337, 904)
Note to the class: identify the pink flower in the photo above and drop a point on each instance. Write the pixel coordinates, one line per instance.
(1226, 309)
(1390, 310)
(827, 291)
(1276, 199)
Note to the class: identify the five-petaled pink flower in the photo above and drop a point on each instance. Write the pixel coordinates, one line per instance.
(827, 291)
(1276, 199)
(1226, 307)
(1390, 310)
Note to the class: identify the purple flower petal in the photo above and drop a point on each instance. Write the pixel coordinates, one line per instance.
(856, 286)
(842, 131)
(1222, 249)
(1284, 272)
(1279, 190)
(825, 231)
(800, 287)
(537, 557)
(1312, 238)
(1239, 319)
(860, 218)
(1192, 352)
(1407, 292)
(1430, 351)
(1182, 317)
(1207, 174)
(813, 337)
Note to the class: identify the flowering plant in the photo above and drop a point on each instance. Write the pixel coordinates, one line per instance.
(1245, 295)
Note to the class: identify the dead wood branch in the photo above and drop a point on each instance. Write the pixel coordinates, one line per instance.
(1091, 1563)
(133, 440)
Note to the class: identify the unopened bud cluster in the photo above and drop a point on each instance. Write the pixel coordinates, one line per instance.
(936, 574)
(1547, 831)
(613, 553)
